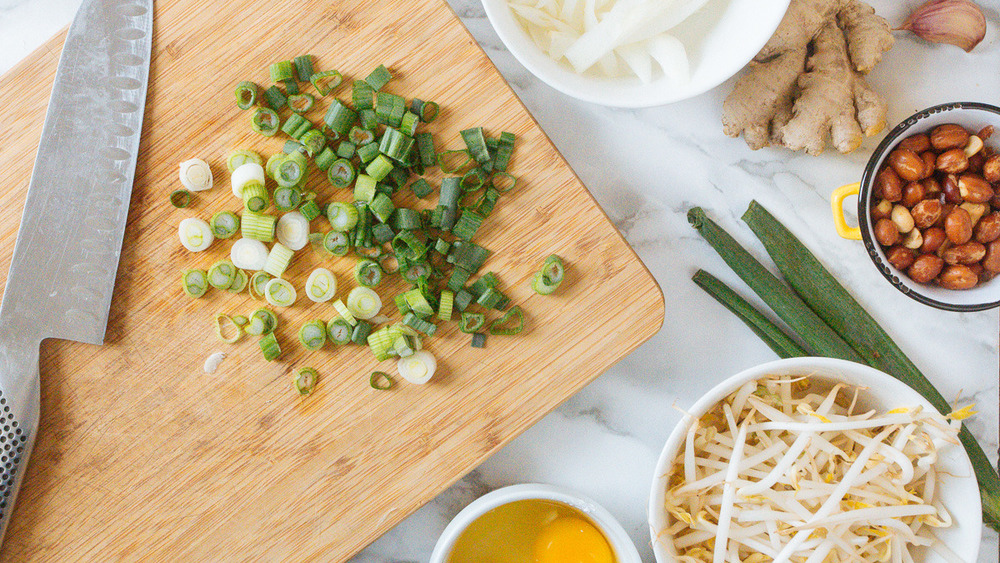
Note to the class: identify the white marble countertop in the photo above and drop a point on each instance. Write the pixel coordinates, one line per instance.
(646, 168)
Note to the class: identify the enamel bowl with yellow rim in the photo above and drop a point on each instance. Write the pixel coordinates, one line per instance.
(971, 115)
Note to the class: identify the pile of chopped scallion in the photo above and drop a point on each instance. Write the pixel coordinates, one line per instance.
(371, 144)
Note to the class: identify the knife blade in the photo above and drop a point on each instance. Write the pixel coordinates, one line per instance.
(63, 268)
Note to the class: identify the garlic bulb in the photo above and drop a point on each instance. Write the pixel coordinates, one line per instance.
(956, 22)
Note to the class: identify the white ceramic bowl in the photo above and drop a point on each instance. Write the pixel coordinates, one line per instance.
(721, 38)
(959, 493)
(621, 544)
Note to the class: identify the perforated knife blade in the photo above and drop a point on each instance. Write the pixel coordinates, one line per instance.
(62, 273)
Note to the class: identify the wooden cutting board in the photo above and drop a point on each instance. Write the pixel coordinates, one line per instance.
(142, 455)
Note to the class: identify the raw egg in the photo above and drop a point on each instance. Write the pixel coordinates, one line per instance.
(570, 539)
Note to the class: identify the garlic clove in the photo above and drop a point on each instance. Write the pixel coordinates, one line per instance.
(956, 22)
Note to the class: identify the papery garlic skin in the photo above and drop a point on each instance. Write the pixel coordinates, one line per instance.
(955, 22)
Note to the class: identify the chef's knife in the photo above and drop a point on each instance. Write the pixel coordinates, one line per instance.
(62, 273)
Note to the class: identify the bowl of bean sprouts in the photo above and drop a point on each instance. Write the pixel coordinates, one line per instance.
(815, 460)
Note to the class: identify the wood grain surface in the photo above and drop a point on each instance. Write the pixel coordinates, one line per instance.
(143, 456)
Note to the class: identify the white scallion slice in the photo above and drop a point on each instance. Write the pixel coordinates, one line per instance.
(418, 367)
(278, 260)
(251, 172)
(293, 230)
(195, 234)
(321, 285)
(196, 175)
(363, 303)
(248, 254)
(280, 293)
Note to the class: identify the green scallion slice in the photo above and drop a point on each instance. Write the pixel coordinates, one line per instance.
(389, 108)
(258, 282)
(361, 332)
(339, 331)
(476, 143)
(337, 243)
(255, 197)
(180, 198)
(286, 198)
(221, 274)
(340, 118)
(275, 98)
(428, 111)
(224, 224)
(239, 157)
(479, 340)
(262, 321)
(291, 87)
(227, 330)
(310, 209)
(282, 70)
(326, 81)
(342, 216)
(265, 121)
(314, 141)
(379, 167)
(312, 335)
(367, 272)
(471, 322)
(246, 94)
(382, 207)
(305, 380)
(362, 95)
(415, 322)
(381, 381)
(510, 324)
(194, 283)
(344, 312)
(445, 305)
(341, 173)
(301, 103)
(258, 226)
(421, 188)
(467, 225)
(378, 77)
(303, 68)
(239, 282)
(346, 149)
(408, 125)
(269, 347)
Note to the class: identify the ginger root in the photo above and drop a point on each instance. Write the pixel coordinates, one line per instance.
(807, 84)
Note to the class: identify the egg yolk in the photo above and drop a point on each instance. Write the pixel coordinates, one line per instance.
(571, 540)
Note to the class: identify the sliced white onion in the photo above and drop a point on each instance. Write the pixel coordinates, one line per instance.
(195, 234)
(321, 285)
(248, 254)
(293, 230)
(363, 303)
(280, 293)
(196, 175)
(245, 174)
(418, 367)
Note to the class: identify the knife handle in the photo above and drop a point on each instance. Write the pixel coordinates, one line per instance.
(19, 408)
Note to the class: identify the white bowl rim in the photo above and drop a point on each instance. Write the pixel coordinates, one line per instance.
(579, 87)
(656, 513)
(618, 538)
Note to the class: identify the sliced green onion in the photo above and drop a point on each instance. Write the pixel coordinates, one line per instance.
(467, 225)
(301, 103)
(341, 173)
(469, 255)
(379, 167)
(413, 321)
(445, 304)
(292, 231)
(337, 243)
(342, 216)
(195, 234)
(339, 331)
(401, 304)
(326, 81)
(459, 276)
(409, 246)
(246, 94)
(321, 285)
(286, 198)
(269, 347)
(551, 275)
(344, 312)
(510, 324)
(395, 144)
(265, 121)
(279, 292)
(224, 322)
(346, 149)
(382, 207)
(275, 98)
(312, 335)
(361, 332)
(486, 281)
(248, 254)
(472, 322)
(282, 70)
(417, 368)
(382, 233)
(278, 260)
(409, 123)
(364, 303)
(194, 283)
(291, 87)
(313, 141)
(503, 181)
(180, 198)
(240, 320)
(428, 111)
(379, 77)
(364, 188)
(245, 174)
(255, 197)
(476, 143)
(421, 188)
(389, 108)
(325, 159)
(360, 136)
(303, 68)
(406, 219)
(368, 273)
(262, 321)
(463, 298)
(492, 298)
(479, 340)
(221, 274)
(291, 145)
(381, 381)
(239, 157)
(488, 202)
(416, 272)
(405, 345)
(224, 224)
(362, 95)
(310, 209)
(340, 118)
(239, 282)
(290, 170)
(453, 161)
(389, 263)
(258, 282)
(293, 124)
(305, 380)
(473, 180)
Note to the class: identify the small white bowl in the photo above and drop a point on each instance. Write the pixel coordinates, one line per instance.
(621, 544)
(959, 491)
(721, 38)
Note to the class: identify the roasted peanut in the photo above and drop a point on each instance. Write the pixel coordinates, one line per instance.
(889, 185)
(957, 225)
(951, 162)
(902, 218)
(973, 147)
(886, 232)
(949, 136)
(913, 193)
(926, 213)
(918, 143)
(976, 211)
(995, 202)
(968, 253)
(882, 210)
(909, 165)
(988, 228)
(913, 240)
(933, 237)
(900, 258)
(949, 185)
(991, 169)
(932, 188)
(946, 209)
(925, 268)
(977, 269)
(973, 189)
(976, 162)
(992, 259)
(984, 133)
(930, 164)
(958, 276)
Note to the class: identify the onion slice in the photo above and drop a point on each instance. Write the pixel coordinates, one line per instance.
(245, 174)
(363, 303)
(418, 367)
(248, 254)
(195, 234)
(293, 230)
(321, 285)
